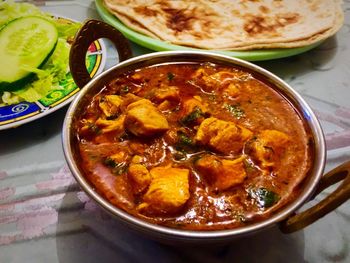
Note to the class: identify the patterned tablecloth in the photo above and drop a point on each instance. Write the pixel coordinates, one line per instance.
(45, 217)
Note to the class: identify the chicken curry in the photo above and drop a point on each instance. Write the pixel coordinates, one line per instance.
(195, 146)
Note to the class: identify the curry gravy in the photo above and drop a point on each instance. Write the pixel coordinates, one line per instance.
(193, 146)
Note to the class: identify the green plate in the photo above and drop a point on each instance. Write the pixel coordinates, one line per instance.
(158, 45)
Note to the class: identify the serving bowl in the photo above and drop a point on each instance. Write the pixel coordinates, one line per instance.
(286, 217)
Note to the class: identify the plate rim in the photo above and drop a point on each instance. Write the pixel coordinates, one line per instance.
(159, 45)
(70, 96)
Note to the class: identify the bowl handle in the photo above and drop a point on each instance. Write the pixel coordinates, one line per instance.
(331, 202)
(88, 33)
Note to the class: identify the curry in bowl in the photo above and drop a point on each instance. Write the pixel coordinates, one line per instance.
(195, 146)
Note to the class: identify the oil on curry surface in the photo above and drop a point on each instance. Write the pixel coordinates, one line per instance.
(193, 146)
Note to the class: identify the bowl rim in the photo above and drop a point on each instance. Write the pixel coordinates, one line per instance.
(139, 224)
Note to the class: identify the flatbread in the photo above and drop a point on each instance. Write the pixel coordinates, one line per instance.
(133, 24)
(229, 25)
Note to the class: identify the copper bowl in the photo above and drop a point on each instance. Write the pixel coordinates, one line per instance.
(286, 217)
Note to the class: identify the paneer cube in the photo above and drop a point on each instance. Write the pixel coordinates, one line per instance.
(222, 136)
(143, 119)
(268, 147)
(168, 191)
(221, 174)
(110, 105)
(139, 176)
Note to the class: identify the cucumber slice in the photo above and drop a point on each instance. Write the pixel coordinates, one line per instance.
(25, 44)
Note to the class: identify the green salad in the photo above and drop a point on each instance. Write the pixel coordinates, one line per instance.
(35, 58)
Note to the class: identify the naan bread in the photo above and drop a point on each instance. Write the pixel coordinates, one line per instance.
(232, 25)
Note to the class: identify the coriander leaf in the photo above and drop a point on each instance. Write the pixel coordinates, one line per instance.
(193, 116)
(264, 197)
(110, 162)
(170, 76)
(184, 143)
(184, 139)
(117, 168)
(94, 128)
(125, 89)
(235, 110)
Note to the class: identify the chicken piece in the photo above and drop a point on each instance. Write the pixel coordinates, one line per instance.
(137, 147)
(191, 104)
(168, 191)
(116, 125)
(214, 78)
(119, 157)
(170, 93)
(165, 106)
(88, 126)
(137, 159)
(268, 147)
(139, 176)
(143, 119)
(167, 97)
(221, 174)
(117, 162)
(110, 105)
(219, 78)
(199, 73)
(222, 136)
(193, 111)
(137, 76)
(128, 99)
(171, 136)
(232, 90)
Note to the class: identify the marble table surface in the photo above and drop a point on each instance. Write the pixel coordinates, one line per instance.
(45, 216)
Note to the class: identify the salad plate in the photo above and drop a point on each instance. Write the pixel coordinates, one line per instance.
(22, 112)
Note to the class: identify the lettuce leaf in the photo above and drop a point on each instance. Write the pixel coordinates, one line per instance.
(55, 69)
(66, 29)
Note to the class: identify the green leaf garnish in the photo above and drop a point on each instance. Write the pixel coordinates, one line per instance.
(264, 197)
(124, 89)
(193, 116)
(235, 110)
(170, 76)
(110, 162)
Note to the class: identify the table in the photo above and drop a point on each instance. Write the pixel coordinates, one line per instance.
(45, 217)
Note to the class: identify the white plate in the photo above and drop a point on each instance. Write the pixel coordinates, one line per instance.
(14, 115)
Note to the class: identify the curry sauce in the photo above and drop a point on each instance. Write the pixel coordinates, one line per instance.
(194, 146)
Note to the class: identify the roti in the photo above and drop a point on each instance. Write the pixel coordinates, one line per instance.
(228, 25)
